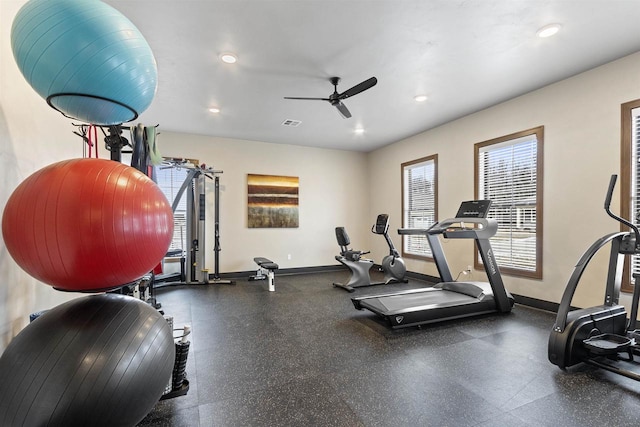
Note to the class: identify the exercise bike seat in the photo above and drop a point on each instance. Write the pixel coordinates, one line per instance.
(342, 237)
(344, 242)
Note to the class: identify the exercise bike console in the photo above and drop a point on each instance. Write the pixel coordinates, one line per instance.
(382, 224)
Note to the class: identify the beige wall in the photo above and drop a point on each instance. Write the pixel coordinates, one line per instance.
(333, 192)
(581, 116)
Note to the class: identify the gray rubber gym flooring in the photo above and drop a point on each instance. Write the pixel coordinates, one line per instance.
(303, 356)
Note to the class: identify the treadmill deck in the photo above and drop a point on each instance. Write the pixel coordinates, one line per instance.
(429, 305)
(395, 304)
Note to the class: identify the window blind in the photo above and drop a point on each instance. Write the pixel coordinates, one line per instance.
(419, 203)
(169, 180)
(635, 181)
(508, 177)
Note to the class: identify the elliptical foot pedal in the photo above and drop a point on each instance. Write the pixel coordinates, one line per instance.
(607, 344)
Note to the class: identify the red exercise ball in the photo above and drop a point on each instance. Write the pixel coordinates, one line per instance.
(87, 225)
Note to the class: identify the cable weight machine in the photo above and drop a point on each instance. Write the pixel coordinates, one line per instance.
(195, 187)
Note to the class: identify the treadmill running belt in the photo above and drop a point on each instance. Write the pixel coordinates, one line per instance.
(435, 298)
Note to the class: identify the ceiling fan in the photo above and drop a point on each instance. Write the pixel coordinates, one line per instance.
(336, 98)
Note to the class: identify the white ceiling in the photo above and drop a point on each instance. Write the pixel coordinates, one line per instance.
(466, 55)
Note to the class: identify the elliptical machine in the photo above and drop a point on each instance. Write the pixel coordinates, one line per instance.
(601, 336)
(392, 265)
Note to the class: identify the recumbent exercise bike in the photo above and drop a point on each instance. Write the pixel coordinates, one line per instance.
(392, 265)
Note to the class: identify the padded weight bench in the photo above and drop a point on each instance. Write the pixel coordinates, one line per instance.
(266, 270)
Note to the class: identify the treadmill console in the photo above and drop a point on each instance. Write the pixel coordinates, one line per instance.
(474, 209)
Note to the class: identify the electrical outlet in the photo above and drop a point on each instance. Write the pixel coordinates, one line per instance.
(469, 268)
(289, 257)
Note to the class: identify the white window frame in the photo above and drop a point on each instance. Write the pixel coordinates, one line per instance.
(419, 203)
(516, 199)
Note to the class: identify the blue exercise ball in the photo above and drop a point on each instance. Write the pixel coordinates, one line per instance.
(85, 58)
(100, 360)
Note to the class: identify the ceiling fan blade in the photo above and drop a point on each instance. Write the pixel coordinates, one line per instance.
(342, 109)
(360, 87)
(308, 99)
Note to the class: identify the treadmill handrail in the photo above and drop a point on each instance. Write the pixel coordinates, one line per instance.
(488, 228)
(415, 231)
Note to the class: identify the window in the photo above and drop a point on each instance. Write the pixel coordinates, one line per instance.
(169, 180)
(509, 173)
(419, 203)
(630, 178)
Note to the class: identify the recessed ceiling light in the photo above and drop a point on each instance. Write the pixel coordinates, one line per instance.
(229, 58)
(214, 110)
(420, 98)
(548, 30)
(358, 131)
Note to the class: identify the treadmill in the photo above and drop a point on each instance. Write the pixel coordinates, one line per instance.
(448, 299)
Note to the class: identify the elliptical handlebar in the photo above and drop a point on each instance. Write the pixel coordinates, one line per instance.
(607, 200)
(607, 208)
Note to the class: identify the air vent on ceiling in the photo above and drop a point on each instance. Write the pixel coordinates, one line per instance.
(292, 123)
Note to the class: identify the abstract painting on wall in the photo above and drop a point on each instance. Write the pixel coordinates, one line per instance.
(272, 201)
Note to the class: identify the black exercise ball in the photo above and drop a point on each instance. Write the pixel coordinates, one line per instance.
(100, 360)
